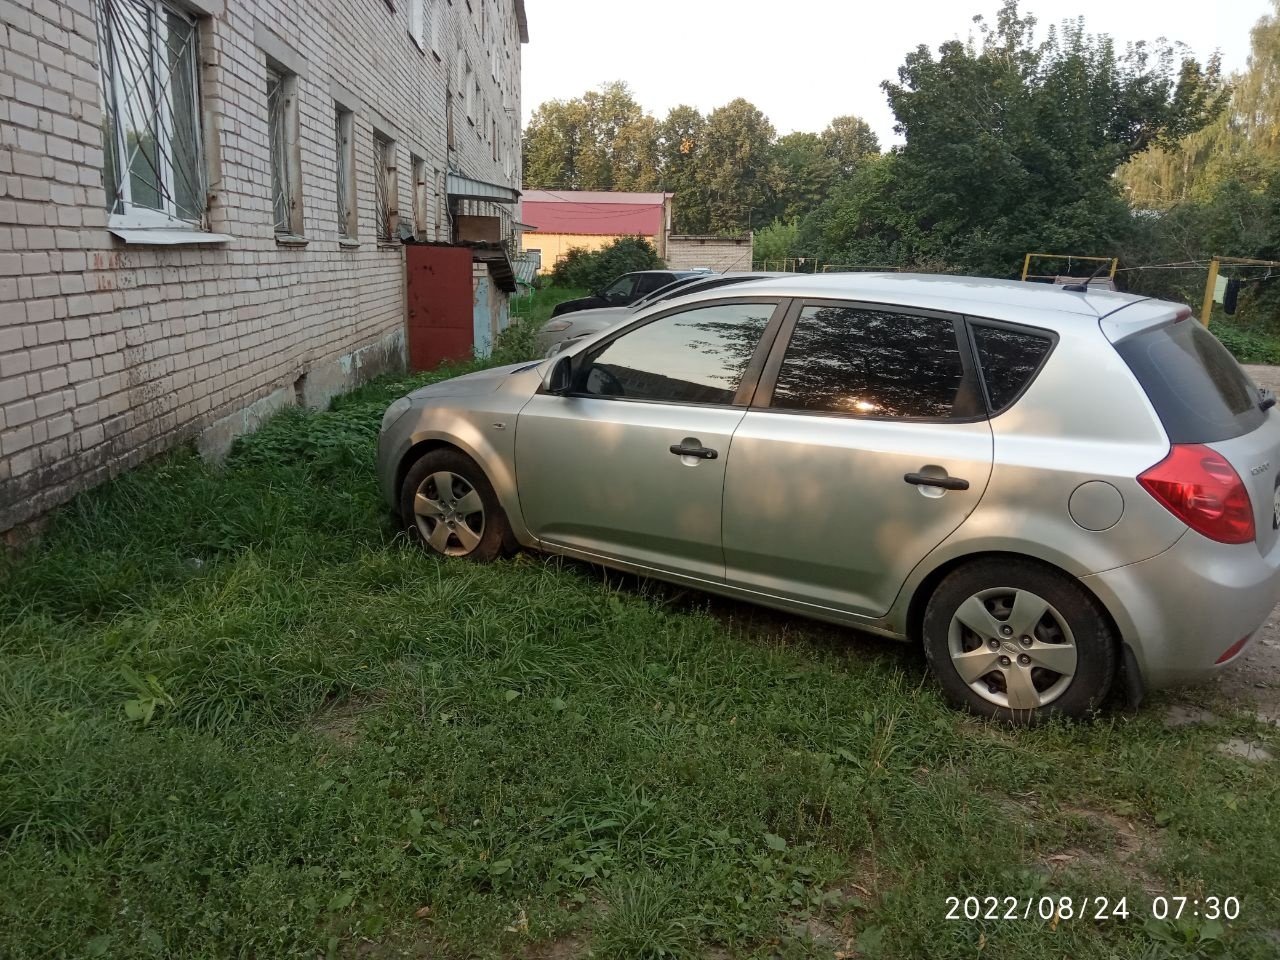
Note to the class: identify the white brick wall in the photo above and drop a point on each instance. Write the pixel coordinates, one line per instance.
(718, 253)
(110, 352)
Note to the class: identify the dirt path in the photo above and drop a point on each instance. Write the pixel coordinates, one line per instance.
(1264, 376)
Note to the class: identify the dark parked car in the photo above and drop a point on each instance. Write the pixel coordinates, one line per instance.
(627, 289)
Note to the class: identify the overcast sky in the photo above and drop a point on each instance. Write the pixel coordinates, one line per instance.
(804, 63)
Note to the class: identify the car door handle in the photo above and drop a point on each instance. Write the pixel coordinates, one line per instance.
(946, 483)
(687, 449)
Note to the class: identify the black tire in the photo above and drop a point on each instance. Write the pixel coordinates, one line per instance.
(495, 538)
(1082, 691)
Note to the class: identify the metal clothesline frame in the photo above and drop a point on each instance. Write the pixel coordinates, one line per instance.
(1206, 308)
(1026, 264)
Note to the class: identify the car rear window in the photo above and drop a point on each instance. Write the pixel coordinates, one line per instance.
(1196, 386)
(1009, 361)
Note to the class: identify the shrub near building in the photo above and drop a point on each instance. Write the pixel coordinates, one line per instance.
(595, 269)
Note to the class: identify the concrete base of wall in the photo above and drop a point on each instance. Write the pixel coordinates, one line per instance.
(214, 441)
(324, 381)
(315, 387)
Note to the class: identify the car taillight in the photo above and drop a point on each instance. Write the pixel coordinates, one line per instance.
(1200, 488)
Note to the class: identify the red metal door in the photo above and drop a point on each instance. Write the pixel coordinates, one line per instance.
(438, 282)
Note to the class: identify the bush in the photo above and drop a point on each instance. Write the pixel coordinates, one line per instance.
(596, 269)
(1246, 345)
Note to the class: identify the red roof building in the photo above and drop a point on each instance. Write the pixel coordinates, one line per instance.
(558, 220)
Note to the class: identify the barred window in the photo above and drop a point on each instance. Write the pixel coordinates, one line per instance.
(419, 197)
(344, 130)
(154, 160)
(384, 185)
(282, 133)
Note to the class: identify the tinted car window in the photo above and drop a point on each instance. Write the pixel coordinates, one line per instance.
(665, 291)
(1196, 386)
(1009, 359)
(871, 363)
(697, 356)
(622, 287)
(650, 282)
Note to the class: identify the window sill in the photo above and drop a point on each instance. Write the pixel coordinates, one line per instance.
(389, 245)
(290, 240)
(348, 244)
(161, 237)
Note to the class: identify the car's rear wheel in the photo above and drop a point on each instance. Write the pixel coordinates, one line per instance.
(1019, 641)
(450, 508)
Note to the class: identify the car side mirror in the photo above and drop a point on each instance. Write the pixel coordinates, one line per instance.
(559, 376)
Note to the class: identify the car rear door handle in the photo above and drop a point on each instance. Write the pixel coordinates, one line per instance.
(687, 448)
(946, 483)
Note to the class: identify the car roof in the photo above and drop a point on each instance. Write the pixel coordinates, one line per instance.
(979, 296)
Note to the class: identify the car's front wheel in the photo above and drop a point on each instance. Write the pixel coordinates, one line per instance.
(450, 508)
(1019, 641)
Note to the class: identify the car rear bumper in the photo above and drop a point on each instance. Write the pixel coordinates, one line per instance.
(1182, 609)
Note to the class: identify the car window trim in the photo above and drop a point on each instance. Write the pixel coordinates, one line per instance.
(750, 376)
(970, 379)
(1050, 335)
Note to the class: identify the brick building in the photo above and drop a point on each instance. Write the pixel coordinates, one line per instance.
(203, 205)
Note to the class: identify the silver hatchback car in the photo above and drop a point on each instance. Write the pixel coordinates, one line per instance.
(1053, 491)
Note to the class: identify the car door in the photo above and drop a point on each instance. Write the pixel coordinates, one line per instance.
(866, 445)
(628, 464)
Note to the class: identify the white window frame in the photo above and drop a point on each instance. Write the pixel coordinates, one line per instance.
(472, 88)
(135, 216)
(436, 14)
(418, 23)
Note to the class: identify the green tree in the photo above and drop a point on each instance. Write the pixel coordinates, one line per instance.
(737, 170)
(681, 149)
(1012, 143)
(847, 141)
(1242, 143)
(775, 243)
(806, 173)
(602, 140)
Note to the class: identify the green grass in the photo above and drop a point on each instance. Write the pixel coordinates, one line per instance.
(241, 717)
(536, 308)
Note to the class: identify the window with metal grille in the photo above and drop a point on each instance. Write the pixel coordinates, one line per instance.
(281, 124)
(153, 156)
(419, 197)
(384, 183)
(344, 129)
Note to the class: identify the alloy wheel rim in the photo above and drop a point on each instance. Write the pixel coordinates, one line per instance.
(449, 513)
(1012, 648)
